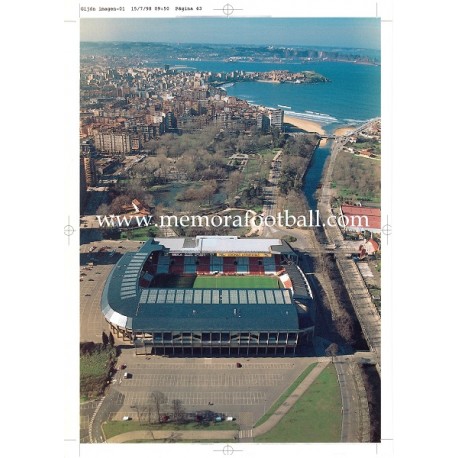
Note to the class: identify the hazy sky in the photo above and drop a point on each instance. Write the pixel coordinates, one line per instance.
(336, 32)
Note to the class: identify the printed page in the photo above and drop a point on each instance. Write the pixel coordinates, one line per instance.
(229, 202)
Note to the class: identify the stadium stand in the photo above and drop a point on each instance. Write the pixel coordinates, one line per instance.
(229, 266)
(243, 266)
(177, 265)
(163, 264)
(203, 265)
(216, 264)
(190, 265)
(256, 266)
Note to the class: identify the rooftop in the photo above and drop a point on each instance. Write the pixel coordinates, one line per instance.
(126, 304)
(373, 216)
(223, 244)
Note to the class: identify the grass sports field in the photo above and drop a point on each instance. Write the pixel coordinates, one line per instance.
(214, 282)
(234, 282)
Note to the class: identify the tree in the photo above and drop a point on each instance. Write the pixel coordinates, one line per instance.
(234, 181)
(104, 339)
(178, 410)
(157, 400)
(118, 203)
(208, 190)
(111, 339)
(345, 327)
(103, 209)
(332, 350)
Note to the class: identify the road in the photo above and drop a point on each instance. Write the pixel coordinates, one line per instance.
(362, 303)
(352, 413)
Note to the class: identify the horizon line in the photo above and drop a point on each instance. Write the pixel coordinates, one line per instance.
(227, 44)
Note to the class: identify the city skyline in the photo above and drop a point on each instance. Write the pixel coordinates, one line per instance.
(315, 32)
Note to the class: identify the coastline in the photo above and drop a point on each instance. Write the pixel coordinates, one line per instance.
(304, 124)
(344, 130)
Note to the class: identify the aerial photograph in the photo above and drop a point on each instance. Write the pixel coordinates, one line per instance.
(230, 230)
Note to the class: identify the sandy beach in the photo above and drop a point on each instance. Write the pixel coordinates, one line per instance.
(304, 124)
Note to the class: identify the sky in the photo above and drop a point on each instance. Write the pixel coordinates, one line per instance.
(333, 32)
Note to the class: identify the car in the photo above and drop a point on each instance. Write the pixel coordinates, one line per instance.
(127, 375)
(126, 418)
(123, 366)
(239, 364)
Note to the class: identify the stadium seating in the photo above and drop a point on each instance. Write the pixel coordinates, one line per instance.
(163, 264)
(177, 265)
(216, 264)
(230, 265)
(203, 266)
(243, 266)
(207, 265)
(256, 266)
(189, 266)
(270, 267)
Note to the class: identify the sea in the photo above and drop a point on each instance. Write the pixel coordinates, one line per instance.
(352, 97)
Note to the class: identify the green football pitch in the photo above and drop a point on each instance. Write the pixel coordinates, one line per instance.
(235, 282)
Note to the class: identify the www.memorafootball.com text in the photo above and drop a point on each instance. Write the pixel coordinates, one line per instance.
(284, 219)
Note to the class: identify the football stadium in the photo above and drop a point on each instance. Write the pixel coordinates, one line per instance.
(210, 296)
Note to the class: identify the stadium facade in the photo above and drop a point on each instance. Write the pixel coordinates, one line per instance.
(144, 304)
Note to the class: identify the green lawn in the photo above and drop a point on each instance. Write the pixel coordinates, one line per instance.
(285, 394)
(94, 369)
(96, 364)
(139, 233)
(315, 417)
(258, 165)
(234, 282)
(113, 428)
(189, 441)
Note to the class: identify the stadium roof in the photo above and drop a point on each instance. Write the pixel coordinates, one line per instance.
(126, 304)
(215, 314)
(223, 244)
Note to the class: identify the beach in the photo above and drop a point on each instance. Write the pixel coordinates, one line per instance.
(304, 124)
(344, 130)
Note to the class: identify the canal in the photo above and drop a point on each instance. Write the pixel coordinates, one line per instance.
(314, 172)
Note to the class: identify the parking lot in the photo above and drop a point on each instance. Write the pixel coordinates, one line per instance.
(96, 261)
(215, 384)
